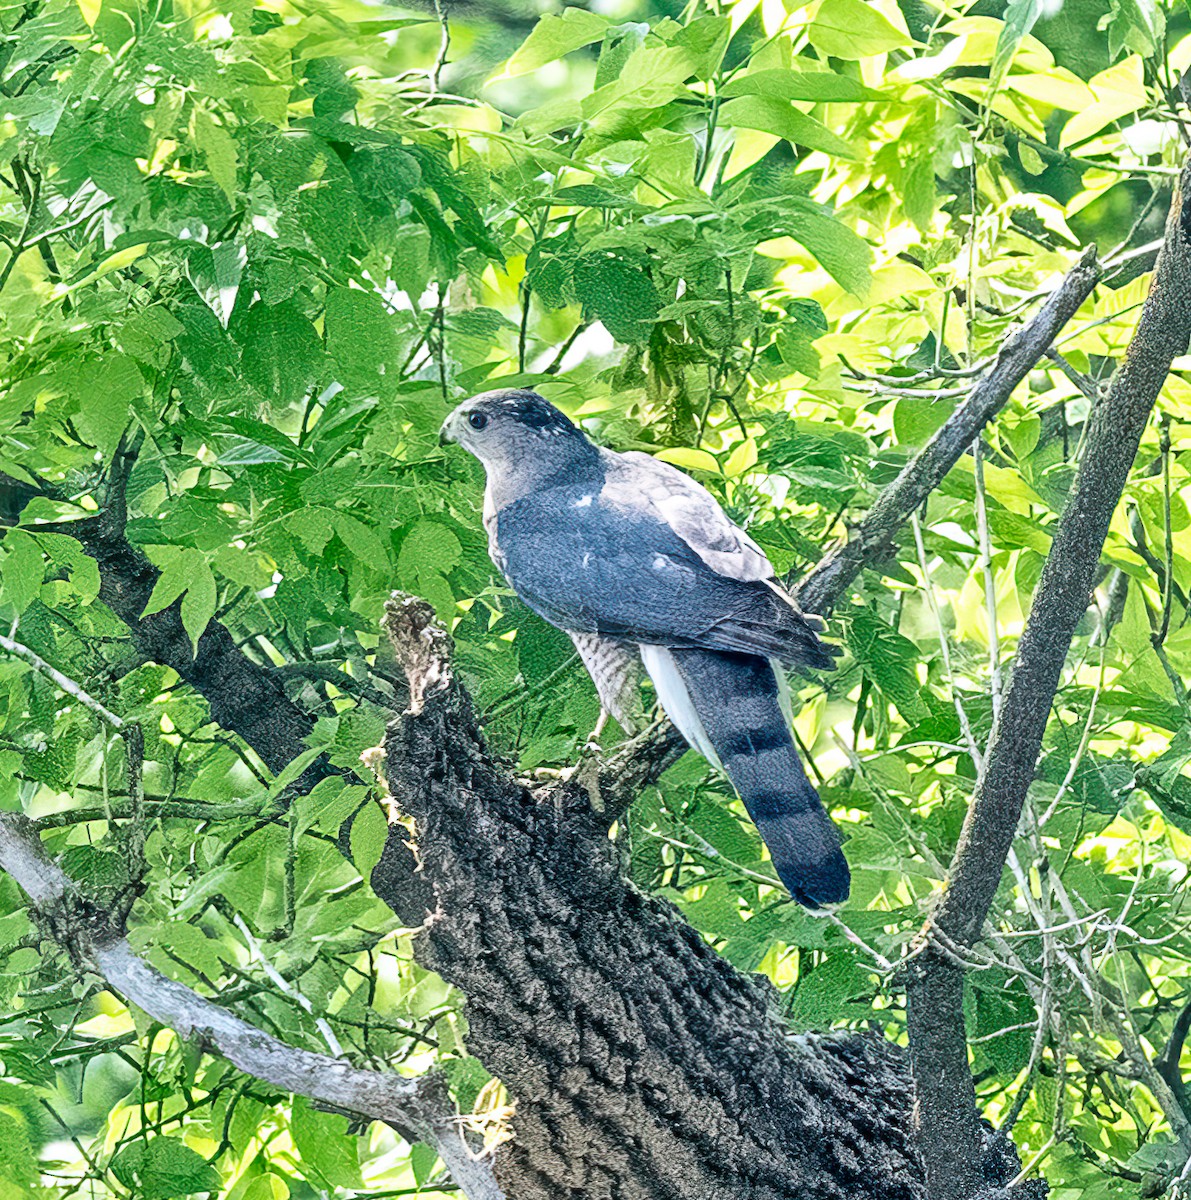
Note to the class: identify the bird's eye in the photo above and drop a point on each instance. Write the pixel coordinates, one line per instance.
(477, 420)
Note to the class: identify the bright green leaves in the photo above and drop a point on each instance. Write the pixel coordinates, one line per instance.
(163, 1168)
(316, 524)
(18, 1157)
(787, 84)
(1138, 26)
(889, 659)
(360, 337)
(845, 255)
(187, 573)
(363, 541)
(619, 293)
(283, 352)
(104, 390)
(21, 569)
(183, 951)
(218, 146)
(784, 120)
(853, 29)
(553, 36)
(327, 1150)
(778, 236)
(429, 552)
(369, 831)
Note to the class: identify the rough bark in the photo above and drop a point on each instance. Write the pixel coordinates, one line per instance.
(643, 1066)
(949, 1127)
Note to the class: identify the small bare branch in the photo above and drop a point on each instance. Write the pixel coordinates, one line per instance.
(824, 586)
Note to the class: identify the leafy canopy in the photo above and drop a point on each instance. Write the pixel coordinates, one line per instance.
(252, 253)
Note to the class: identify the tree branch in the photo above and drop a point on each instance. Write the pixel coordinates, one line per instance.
(949, 1128)
(823, 587)
(642, 1064)
(418, 1108)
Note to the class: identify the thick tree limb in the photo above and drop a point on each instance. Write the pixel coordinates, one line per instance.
(419, 1108)
(643, 1066)
(823, 587)
(245, 698)
(949, 1129)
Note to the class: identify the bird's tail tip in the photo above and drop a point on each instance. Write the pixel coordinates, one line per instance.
(805, 850)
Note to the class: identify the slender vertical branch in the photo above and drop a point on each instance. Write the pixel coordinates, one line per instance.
(949, 1130)
(1168, 559)
(990, 582)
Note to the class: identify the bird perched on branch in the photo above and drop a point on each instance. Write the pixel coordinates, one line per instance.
(631, 557)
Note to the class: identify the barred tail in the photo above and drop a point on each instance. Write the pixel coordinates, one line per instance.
(728, 706)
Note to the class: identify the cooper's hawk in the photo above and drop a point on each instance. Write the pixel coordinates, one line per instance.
(627, 554)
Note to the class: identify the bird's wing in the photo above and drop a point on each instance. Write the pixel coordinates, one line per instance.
(609, 562)
(635, 479)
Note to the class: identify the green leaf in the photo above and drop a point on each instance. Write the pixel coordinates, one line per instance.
(18, 1160)
(853, 29)
(552, 37)
(282, 350)
(362, 541)
(846, 256)
(890, 660)
(255, 438)
(186, 942)
(265, 1187)
(784, 120)
(429, 552)
(219, 149)
(163, 1169)
(105, 389)
(21, 569)
(369, 831)
(915, 420)
(360, 338)
(705, 39)
(94, 868)
(186, 573)
(1031, 160)
(1137, 25)
(918, 191)
(619, 294)
(328, 1152)
(784, 84)
(688, 458)
(822, 994)
(422, 1161)
(199, 603)
(1020, 17)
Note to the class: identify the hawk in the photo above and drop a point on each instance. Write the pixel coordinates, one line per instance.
(636, 561)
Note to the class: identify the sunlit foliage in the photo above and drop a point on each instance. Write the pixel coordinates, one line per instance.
(264, 247)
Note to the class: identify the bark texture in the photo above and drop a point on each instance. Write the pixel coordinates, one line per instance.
(642, 1065)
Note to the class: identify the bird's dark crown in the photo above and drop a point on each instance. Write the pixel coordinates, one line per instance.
(529, 409)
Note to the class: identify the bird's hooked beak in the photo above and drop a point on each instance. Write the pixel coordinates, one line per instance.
(445, 436)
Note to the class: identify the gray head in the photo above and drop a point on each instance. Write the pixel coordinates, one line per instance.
(514, 430)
